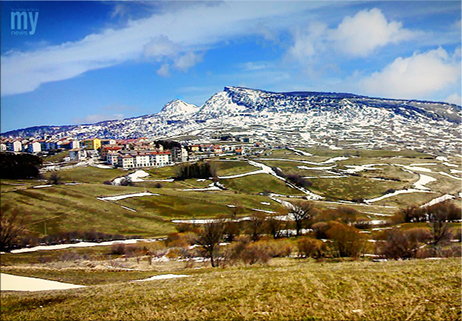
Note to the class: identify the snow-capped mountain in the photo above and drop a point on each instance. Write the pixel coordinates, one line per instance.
(335, 120)
(177, 109)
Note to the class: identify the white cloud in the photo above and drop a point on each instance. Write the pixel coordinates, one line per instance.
(186, 61)
(361, 34)
(164, 70)
(193, 28)
(357, 36)
(418, 76)
(454, 99)
(95, 118)
(160, 47)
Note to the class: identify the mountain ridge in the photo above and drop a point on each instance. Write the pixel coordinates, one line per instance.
(312, 117)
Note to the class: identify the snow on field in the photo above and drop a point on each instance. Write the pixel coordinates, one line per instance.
(263, 211)
(134, 177)
(300, 152)
(121, 197)
(21, 283)
(442, 158)
(101, 166)
(448, 175)
(450, 165)
(163, 277)
(211, 187)
(335, 159)
(74, 245)
(359, 168)
(265, 203)
(329, 161)
(243, 175)
(378, 214)
(416, 168)
(168, 180)
(455, 171)
(316, 168)
(423, 180)
(266, 169)
(439, 200)
(403, 191)
(128, 208)
(42, 186)
(194, 221)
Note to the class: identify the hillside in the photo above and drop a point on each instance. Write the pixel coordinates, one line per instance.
(287, 290)
(375, 183)
(333, 120)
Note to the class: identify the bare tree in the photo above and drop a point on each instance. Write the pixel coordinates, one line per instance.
(274, 224)
(12, 228)
(301, 211)
(209, 238)
(256, 225)
(440, 227)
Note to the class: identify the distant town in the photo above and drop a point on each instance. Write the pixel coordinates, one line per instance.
(131, 153)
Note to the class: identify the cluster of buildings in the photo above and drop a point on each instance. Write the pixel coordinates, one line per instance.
(127, 153)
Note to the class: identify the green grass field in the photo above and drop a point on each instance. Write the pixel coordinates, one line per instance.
(286, 289)
(69, 207)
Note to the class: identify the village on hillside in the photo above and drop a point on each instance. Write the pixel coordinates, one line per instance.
(131, 153)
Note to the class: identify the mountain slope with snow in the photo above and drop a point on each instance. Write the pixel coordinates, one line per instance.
(335, 120)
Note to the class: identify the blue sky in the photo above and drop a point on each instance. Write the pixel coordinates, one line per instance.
(96, 60)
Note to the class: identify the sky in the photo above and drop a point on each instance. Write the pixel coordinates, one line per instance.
(78, 62)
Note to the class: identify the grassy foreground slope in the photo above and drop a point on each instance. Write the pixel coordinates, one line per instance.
(291, 290)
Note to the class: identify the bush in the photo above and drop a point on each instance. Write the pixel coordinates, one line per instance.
(255, 253)
(118, 248)
(126, 181)
(277, 248)
(54, 178)
(320, 229)
(347, 239)
(397, 245)
(308, 247)
(17, 166)
(243, 250)
(202, 170)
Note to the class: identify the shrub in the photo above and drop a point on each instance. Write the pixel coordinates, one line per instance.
(195, 170)
(277, 248)
(54, 178)
(17, 166)
(320, 229)
(126, 181)
(255, 253)
(347, 239)
(301, 211)
(398, 246)
(308, 247)
(118, 248)
(13, 228)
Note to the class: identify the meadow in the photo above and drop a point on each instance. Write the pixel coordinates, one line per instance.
(286, 289)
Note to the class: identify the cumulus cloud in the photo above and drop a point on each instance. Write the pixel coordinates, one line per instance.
(186, 61)
(361, 34)
(164, 70)
(183, 31)
(160, 47)
(417, 76)
(95, 118)
(454, 99)
(356, 36)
